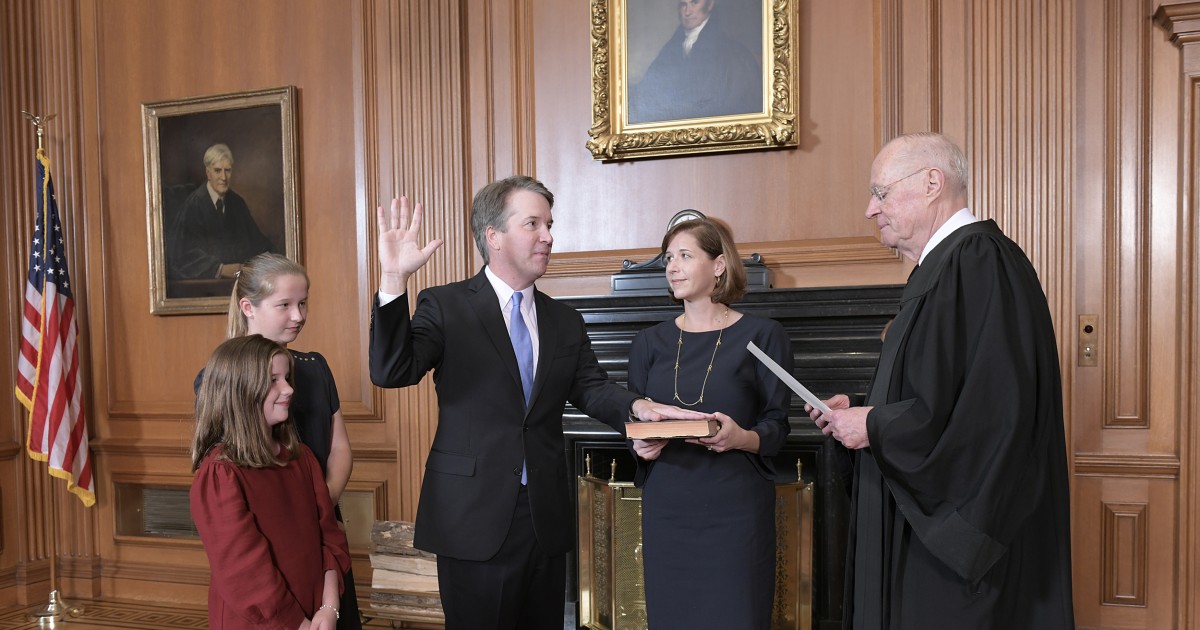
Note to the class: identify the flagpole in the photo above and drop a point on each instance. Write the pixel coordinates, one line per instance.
(56, 609)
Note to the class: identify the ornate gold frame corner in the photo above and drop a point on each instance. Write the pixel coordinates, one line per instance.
(613, 138)
(282, 97)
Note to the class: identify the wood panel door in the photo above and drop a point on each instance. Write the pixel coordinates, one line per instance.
(1129, 342)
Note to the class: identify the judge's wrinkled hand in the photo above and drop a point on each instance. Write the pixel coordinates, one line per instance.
(731, 436)
(841, 401)
(648, 410)
(848, 426)
(648, 449)
(400, 253)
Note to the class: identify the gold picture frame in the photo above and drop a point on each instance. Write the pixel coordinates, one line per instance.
(198, 234)
(687, 103)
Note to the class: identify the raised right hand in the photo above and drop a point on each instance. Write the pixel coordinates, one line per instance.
(400, 254)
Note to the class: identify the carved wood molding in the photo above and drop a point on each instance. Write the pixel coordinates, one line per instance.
(415, 51)
(1182, 23)
(147, 572)
(834, 251)
(369, 410)
(142, 448)
(1181, 20)
(1126, 320)
(1124, 543)
(1140, 466)
(385, 455)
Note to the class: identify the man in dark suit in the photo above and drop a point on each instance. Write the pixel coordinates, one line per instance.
(495, 504)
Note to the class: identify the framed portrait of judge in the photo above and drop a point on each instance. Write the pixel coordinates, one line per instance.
(675, 77)
(220, 189)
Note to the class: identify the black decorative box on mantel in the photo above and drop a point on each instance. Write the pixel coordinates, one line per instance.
(650, 277)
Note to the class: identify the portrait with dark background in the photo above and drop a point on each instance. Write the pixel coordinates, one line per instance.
(732, 38)
(199, 236)
(254, 135)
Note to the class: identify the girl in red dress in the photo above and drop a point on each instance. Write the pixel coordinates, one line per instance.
(259, 499)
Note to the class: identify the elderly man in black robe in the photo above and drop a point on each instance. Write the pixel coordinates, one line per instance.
(960, 503)
(214, 232)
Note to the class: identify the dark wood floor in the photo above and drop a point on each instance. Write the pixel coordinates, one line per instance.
(108, 615)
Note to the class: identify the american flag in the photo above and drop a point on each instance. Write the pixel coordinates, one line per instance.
(48, 379)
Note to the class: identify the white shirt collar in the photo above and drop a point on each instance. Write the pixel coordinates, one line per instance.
(957, 220)
(689, 37)
(504, 292)
(212, 194)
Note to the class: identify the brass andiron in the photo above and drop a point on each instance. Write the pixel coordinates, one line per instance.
(611, 583)
(55, 610)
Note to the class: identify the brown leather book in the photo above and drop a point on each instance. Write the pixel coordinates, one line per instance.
(671, 429)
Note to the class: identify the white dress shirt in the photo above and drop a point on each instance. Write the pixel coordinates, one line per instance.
(689, 37)
(528, 309)
(504, 295)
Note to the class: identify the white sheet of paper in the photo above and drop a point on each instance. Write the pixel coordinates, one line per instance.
(788, 379)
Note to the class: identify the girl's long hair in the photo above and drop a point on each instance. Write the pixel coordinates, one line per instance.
(256, 282)
(229, 407)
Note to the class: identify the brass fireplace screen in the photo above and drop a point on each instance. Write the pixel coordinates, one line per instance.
(611, 595)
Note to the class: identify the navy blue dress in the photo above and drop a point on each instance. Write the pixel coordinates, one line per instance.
(708, 519)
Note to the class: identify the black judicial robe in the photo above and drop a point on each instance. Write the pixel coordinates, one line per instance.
(961, 510)
(202, 238)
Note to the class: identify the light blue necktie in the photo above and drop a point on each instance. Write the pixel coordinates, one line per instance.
(518, 333)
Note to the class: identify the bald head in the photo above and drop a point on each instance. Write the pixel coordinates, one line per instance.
(918, 182)
(928, 149)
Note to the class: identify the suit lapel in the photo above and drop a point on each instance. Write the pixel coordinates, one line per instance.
(487, 309)
(548, 340)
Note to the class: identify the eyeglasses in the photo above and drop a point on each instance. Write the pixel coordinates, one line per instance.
(881, 192)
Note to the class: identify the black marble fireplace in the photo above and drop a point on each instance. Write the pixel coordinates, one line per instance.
(835, 335)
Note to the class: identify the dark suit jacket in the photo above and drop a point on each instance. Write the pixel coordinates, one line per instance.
(484, 431)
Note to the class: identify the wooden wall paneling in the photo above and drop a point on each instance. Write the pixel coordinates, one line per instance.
(145, 401)
(1127, 551)
(420, 102)
(278, 53)
(1127, 411)
(1123, 553)
(1120, 436)
(143, 567)
(42, 43)
(908, 67)
(1008, 96)
(1020, 131)
(889, 68)
(795, 200)
(1126, 314)
(22, 543)
(1181, 22)
(76, 175)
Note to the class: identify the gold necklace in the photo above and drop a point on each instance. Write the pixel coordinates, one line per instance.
(679, 350)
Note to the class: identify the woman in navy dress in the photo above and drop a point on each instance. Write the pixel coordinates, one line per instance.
(708, 504)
